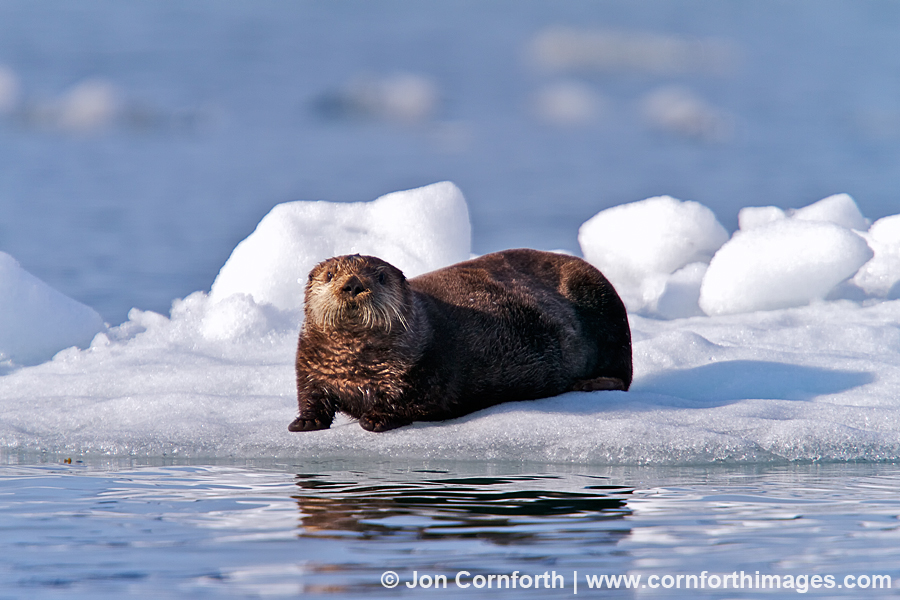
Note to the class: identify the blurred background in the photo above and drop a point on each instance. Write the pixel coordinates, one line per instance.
(140, 141)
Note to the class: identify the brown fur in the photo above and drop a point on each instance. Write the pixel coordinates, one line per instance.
(513, 325)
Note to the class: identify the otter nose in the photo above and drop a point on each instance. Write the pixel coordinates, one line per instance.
(353, 287)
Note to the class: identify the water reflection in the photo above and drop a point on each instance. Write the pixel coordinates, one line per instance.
(499, 510)
(112, 530)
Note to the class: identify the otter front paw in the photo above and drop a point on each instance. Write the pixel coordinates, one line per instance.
(303, 424)
(379, 422)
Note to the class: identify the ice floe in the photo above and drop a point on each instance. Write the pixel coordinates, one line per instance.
(778, 372)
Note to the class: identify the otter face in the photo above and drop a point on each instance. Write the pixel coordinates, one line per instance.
(356, 292)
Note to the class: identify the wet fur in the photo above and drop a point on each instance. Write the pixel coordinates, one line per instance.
(514, 325)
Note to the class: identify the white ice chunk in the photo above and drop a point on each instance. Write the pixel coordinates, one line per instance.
(416, 230)
(36, 321)
(839, 208)
(886, 230)
(753, 217)
(635, 242)
(880, 277)
(788, 263)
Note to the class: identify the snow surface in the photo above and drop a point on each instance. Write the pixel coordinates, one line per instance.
(215, 378)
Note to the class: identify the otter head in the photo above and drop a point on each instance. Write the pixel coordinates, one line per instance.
(356, 292)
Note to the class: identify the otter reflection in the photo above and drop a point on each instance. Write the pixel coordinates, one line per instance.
(509, 510)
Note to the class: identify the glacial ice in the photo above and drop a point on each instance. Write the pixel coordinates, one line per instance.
(758, 381)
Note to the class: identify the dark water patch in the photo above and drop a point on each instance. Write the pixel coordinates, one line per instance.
(502, 509)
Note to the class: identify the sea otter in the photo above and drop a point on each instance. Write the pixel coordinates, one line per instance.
(512, 325)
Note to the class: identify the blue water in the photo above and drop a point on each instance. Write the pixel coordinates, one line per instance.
(222, 119)
(334, 528)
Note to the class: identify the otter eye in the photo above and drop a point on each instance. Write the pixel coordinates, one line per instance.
(381, 278)
(310, 276)
(329, 276)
